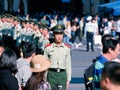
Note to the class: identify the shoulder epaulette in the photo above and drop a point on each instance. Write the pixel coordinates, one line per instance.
(48, 45)
(67, 45)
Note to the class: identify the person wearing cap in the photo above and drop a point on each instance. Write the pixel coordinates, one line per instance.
(37, 81)
(59, 73)
(17, 32)
(37, 37)
(90, 30)
(45, 40)
(23, 64)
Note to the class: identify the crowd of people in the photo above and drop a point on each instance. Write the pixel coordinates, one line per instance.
(31, 65)
(38, 29)
(35, 52)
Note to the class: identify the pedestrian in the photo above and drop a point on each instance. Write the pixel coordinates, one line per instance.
(76, 32)
(81, 24)
(23, 64)
(106, 37)
(59, 73)
(110, 51)
(67, 33)
(8, 69)
(89, 33)
(39, 67)
(45, 41)
(110, 78)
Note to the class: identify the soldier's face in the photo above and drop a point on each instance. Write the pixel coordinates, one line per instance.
(58, 37)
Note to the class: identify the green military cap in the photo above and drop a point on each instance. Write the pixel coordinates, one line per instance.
(37, 24)
(31, 20)
(25, 21)
(4, 16)
(16, 18)
(44, 26)
(20, 18)
(35, 19)
(59, 28)
(0, 16)
(9, 15)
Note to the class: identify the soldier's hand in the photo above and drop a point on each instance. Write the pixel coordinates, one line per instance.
(67, 85)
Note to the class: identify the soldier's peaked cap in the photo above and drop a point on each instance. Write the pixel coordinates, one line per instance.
(59, 28)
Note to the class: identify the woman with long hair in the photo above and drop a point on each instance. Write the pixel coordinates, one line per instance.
(37, 81)
(7, 71)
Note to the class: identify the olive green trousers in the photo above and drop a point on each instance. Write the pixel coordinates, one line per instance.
(57, 80)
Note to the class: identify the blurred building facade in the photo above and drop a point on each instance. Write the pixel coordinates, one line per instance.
(90, 6)
(74, 6)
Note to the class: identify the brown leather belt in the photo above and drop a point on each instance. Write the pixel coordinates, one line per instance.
(56, 69)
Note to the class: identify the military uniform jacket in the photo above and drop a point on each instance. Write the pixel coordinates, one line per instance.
(60, 57)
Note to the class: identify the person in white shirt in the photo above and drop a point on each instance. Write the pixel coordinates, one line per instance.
(67, 33)
(90, 29)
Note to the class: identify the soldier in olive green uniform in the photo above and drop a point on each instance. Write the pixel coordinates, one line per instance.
(59, 73)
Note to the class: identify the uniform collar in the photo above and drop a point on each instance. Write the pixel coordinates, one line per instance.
(55, 45)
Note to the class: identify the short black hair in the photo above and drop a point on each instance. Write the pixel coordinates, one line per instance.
(106, 37)
(28, 49)
(110, 43)
(8, 61)
(111, 70)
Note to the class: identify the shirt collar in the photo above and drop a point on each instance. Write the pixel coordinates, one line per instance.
(103, 59)
(55, 45)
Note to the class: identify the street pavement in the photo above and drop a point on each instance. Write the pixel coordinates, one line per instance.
(81, 60)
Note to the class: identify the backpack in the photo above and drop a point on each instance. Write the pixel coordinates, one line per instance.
(88, 75)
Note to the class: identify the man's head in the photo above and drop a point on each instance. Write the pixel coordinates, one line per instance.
(58, 31)
(28, 49)
(111, 76)
(106, 37)
(8, 61)
(111, 48)
(45, 29)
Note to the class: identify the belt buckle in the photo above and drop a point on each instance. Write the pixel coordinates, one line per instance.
(58, 69)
